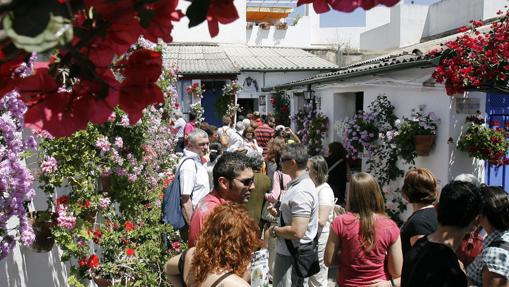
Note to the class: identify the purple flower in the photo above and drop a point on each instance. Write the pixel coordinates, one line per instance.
(119, 142)
(104, 202)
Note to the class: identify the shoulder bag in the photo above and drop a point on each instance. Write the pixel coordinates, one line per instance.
(304, 256)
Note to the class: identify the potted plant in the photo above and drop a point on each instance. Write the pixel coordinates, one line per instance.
(281, 26)
(42, 222)
(264, 25)
(415, 136)
(484, 143)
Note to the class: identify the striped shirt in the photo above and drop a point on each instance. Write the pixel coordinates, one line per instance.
(263, 135)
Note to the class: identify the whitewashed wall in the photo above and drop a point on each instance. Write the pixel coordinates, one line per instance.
(404, 89)
(440, 20)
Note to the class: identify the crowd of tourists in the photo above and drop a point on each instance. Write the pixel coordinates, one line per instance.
(251, 185)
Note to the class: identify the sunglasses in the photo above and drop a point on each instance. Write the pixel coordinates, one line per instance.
(246, 182)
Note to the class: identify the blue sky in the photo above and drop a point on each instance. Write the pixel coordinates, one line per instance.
(354, 19)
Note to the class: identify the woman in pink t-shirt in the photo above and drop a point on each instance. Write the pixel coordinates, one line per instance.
(364, 242)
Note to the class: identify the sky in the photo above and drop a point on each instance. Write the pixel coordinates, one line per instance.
(354, 19)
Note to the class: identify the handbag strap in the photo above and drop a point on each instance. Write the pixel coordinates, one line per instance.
(281, 185)
(221, 279)
(335, 164)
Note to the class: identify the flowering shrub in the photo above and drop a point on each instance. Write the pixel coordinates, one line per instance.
(195, 90)
(359, 132)
(281, 107)
(225, 104)
(420, 123)
(115, 170)
(475, 59)
(312, 127)
(322, 6)
(485, 143)
(16, 181)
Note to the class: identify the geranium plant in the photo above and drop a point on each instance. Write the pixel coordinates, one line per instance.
(420, 123)
(117, 171)
(476, 60)
(281, 107)
(484, 143)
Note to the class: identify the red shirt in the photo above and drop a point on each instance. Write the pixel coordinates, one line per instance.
(357, 266)
(263, 135)
(203, 209)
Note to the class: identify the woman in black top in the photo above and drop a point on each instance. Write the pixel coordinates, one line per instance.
(338, 171)
(420, 189)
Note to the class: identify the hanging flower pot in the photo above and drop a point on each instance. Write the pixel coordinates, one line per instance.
(103, 282)
(423, 144)
(42, 221)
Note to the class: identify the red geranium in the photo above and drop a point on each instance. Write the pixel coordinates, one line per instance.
(64, 199)
(129, 226)
(130, 252)
(93, 261)
(220, 11)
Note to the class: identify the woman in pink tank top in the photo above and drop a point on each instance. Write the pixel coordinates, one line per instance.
(364, 242)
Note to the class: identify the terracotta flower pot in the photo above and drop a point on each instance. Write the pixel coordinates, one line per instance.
(102, 282)
(44, 239)
(423, 144)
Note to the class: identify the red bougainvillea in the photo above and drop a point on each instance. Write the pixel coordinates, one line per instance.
(476, 60)
(322, 6)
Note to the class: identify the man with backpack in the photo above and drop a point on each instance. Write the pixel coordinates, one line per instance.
(233, 181)
(192, 172)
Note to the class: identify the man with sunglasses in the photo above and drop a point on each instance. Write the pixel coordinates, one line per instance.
(233, 181)
(298, 215)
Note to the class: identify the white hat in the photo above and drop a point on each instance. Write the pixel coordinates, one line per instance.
(280, 128)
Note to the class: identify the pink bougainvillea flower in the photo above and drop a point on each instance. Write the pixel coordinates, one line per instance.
(220, 11)
(161, 25)
(321, 6)
(139, 89)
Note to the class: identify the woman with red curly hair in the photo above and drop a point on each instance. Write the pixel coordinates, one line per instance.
(222, 253)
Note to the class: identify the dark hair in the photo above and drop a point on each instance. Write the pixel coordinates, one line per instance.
(216, 149)
(297, 152)
(256, 162)
(459, 204)
(229, 165)
(337, 151)
(495, 206)
(192, 116)
(269, 119)
(210, 130)
(420, 186)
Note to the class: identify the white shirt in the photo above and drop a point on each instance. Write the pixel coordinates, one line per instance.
(236, 140)
(194, 178)
(180, 124)
(326, 198)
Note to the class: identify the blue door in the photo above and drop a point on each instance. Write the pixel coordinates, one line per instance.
(497, 111)
(213, 90)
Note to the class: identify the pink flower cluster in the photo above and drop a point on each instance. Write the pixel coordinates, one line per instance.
(49, 165)
(64, 219)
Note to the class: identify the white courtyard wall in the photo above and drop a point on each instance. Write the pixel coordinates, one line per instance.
(445, 161)
(440, 20)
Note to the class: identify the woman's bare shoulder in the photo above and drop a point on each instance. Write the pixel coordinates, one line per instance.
(233, 281)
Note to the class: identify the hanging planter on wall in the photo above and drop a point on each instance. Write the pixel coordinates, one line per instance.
(423, 144)
(42, 222)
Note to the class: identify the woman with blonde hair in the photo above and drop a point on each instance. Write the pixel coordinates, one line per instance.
(364, 238)
(222, 253)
